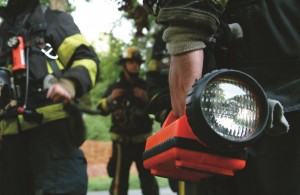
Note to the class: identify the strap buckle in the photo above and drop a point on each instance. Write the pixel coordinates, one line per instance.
(47, 51)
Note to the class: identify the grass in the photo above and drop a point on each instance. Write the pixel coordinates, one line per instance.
(103, 183)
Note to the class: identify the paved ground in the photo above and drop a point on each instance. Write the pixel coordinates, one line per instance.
(162, 191)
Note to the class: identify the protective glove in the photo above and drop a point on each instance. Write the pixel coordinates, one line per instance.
(62, 90)
(277, 122)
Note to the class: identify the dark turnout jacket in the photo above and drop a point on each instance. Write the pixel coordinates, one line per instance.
(77, 59)
(56, 33)
(129, 117)
(269, 50)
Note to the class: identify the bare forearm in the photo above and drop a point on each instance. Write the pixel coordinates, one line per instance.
(184, 70)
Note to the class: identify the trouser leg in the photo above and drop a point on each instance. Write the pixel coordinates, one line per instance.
(15, 169)
(58, 166)
(122, 162)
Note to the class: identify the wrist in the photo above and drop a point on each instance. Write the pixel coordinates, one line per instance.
(69, 85)
(181, 40)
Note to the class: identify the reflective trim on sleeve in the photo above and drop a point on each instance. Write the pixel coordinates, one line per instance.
(90, 65)
(50, 113)
(104, 105)
(69, 45)
(153, 65)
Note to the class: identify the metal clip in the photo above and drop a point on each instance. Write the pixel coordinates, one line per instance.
(47, 50)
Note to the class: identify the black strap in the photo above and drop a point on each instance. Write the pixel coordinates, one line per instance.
(57, 72)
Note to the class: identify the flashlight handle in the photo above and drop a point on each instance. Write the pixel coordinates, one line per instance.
(170, 119)
(18, 55)
(178, 126)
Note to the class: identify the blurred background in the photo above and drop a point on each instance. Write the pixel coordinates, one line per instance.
(110, 26)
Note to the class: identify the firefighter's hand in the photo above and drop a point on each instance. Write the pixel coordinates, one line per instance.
(115, 94)
(184, 70)
(140, 93)
(62, 91)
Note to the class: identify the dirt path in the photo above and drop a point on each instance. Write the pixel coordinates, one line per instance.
(97, 154)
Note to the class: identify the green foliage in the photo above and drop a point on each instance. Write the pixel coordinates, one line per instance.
(3, 2)
(45, 2)
(98, 127)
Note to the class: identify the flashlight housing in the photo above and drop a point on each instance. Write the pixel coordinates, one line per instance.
(226, 110)
(17, 44)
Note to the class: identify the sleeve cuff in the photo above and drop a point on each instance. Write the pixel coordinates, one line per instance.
(181, 40)
(103, 104)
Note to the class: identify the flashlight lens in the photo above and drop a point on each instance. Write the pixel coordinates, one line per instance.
(231, 108)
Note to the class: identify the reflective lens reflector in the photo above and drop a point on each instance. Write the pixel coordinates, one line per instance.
(231, 108)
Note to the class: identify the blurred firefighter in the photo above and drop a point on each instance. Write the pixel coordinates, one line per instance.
(45, 65)
(126, 99)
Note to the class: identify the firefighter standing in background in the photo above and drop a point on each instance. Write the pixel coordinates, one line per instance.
(45, 64)
(126, 100)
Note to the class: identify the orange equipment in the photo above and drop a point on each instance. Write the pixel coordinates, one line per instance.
(18, 54)
(226, 110)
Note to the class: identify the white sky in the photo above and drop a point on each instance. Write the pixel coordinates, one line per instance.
(98, 16)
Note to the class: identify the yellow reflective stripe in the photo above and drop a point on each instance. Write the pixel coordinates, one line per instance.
(90, 65)
(68, 47)
(153, 65)
(181, 188)
(50, 113)
(118, 170)
(9, 127)
(104, 105)
(134, 139)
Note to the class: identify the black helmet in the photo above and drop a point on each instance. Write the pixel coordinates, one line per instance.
(18, 6)
(131, 53)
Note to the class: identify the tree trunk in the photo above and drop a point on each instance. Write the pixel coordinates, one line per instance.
(58, 4)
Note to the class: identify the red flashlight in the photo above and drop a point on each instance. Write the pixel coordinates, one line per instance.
(226, 110)
(18, 54)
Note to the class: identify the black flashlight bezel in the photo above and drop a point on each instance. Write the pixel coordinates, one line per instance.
(200, 126)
